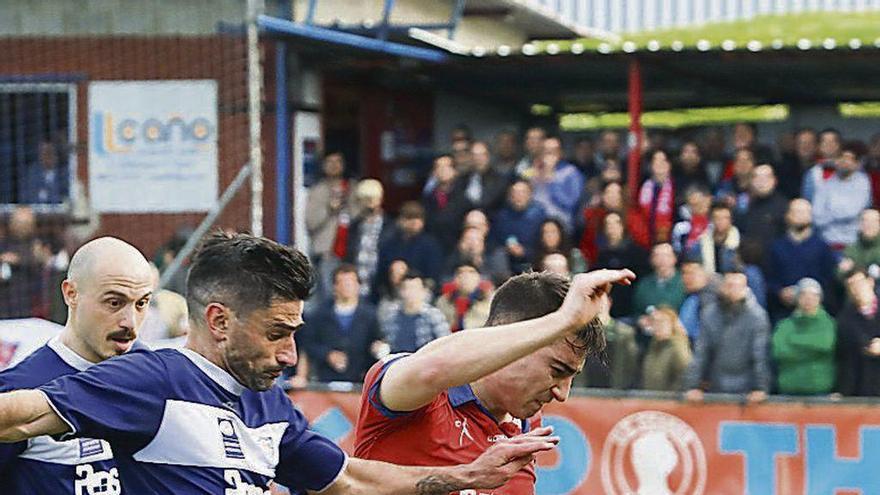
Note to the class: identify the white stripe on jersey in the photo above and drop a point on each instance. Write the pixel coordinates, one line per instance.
(193, 434)
(67, 452)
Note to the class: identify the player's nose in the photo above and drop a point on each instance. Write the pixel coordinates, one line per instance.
(286, 354)
(561, 390)
(128, 317)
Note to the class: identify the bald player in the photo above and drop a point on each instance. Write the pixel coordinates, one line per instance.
(107, 292)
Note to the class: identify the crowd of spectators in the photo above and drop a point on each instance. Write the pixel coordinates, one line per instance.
(756, 263)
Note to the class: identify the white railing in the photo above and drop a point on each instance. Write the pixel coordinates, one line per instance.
(626, 16)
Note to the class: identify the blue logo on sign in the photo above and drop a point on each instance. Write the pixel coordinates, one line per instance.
(574, 459)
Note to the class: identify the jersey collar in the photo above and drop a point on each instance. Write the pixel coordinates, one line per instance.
(463, 394)
(214, 372)
(68, 355)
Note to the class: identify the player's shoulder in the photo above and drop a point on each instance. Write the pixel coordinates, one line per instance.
(41, 366)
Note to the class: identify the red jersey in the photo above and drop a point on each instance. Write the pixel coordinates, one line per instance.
(453, 429)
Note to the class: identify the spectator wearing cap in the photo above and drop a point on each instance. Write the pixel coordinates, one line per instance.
(764, 218)
(556, 184)
(858, 338)
(864, 254)
(465, 300)
(731, 354)
(369, 230)
(412, 244)
(516, 226)
(840, 199)
(668, 354)
(413, 322)
(804, 344)
(702, 291)
(663, 287)
(800, 253)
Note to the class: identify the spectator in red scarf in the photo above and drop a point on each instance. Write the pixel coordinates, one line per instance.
(465, 300)
(657, 197)
(687, 232)
(613, 199)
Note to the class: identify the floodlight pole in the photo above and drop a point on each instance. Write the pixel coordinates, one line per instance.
(636, 136)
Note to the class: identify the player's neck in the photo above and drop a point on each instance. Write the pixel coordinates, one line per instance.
(207, 351)
(69, 338)
(489, 403)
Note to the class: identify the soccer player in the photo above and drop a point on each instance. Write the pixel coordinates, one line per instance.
(208, 419)
(459, 394)
(107, 292)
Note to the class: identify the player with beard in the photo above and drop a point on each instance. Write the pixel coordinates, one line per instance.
(107, 292)
(457, 395)
(208, 418)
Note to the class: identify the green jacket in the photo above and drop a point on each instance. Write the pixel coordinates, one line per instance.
(651, 292)
(803, 347)
(863, 252)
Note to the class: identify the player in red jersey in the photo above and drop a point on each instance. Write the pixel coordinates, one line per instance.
(456, 396)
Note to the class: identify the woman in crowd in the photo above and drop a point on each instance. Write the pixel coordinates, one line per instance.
(668, 354)
(553, 239)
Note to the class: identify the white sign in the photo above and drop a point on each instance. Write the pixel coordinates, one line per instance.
(153, 146)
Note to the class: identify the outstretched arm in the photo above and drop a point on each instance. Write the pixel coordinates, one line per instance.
(464, 357)
(26, 414)
(492, 469)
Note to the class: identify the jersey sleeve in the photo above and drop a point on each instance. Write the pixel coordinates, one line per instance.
(307, 460)
(120, 400)
(373, 382)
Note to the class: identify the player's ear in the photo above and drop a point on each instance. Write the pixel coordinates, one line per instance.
(69, 292)
(217, 317)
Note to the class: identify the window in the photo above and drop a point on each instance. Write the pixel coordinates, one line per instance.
(37, 144)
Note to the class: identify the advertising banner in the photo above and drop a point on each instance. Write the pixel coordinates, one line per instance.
(622, 446)
(153, 146)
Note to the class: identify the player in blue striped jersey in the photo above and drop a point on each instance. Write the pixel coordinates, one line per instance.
(208, 419)
(107, 291)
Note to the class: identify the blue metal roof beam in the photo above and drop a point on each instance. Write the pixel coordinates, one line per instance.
(284, 27)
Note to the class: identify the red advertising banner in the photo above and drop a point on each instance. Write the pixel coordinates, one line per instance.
(624, 446)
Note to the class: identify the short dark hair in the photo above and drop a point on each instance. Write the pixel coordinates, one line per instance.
(345, 268)
(535, 294)
(718, 205)
(246, 273)
(412, 274)
(412, 209)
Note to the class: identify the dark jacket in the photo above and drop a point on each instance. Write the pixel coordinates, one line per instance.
(625, 255)
(523, 225)
(789, 261)
(494, 190)
(421, 252)
(322, 334)
(732, 352)
(443, 220)
(764, 220)
(858, 373)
